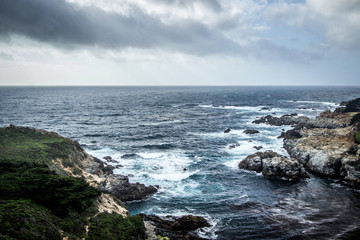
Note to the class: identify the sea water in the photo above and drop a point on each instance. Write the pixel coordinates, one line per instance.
(174, 137)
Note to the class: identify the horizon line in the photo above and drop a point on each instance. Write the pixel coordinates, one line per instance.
(29, 85)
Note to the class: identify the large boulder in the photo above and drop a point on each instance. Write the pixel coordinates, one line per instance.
(119, 186)
(273, 165)
(251, 131)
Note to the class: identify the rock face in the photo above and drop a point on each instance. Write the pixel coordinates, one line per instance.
(326, 147)
(287, 119)
(273, 165)
(119, 186)
(177, 228)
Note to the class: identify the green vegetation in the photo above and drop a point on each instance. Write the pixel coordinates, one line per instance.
(355, 119)
(61, 195)
(163, 238)
(23, 219)
(21, 144)
(353, 106)
(38, 200)
(115, 227)
(357, 137)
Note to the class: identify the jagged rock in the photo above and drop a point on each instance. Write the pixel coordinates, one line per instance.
(251, 131)
(177, 228)
(287, 119)
(257, 147)
(130, 156)
(234, 145)
(273, 165)
(320, 150)
(119, 186)
(108, 169)
(227, 130)
(291, 134)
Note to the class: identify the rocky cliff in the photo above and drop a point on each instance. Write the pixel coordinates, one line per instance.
(327, 146)
(50, 188)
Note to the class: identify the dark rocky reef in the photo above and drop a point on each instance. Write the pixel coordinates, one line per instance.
(287, 119)
(273, 165)
(251, 131)
(177, 228)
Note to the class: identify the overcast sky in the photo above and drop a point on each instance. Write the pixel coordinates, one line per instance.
(179, 42)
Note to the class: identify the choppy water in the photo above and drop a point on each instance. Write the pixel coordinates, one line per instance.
(156, 133)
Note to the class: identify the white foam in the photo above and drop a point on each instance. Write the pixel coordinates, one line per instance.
(100, 153)
(240, 108)
(316, 102)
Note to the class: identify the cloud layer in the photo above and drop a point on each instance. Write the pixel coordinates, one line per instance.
(195, 27)
(72, 25)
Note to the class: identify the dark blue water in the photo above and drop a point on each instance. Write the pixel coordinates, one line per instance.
(169, 129)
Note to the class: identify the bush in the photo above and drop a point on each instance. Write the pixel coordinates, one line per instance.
(113, 226)
(23, 219)
(355, 119)
(353, 106)
(61, 195)
(357, 137)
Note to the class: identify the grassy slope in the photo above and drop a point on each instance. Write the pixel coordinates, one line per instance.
(38, 200)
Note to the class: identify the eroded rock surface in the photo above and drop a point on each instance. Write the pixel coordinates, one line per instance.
(273, 165)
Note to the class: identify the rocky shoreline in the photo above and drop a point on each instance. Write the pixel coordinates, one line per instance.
(327, 146)
(65, 158)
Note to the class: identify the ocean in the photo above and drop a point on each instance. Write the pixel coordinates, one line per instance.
(174, 137)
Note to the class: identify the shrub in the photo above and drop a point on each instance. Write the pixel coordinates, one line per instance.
(357, 137)
(23, 219)
(113, 226)
(355, 119)
(353, 105)
(61, 195)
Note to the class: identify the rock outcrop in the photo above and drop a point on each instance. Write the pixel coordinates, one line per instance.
(287, 119)
(119, 186)
(326, 145)
(273, 165)
(251, 131)
(176, 228)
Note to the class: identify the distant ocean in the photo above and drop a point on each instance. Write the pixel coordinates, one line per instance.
(174, 137)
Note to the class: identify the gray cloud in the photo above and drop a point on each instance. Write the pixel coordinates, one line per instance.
(71, 26)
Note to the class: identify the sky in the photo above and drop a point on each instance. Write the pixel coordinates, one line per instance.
(179, 42)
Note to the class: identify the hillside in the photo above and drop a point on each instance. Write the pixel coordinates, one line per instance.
(50, 189)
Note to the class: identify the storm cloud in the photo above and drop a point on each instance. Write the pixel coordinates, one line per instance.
(68, 25)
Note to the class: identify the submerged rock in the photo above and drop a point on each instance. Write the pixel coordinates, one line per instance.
(177, 228)
(251, 131)
(227, 130)
(258, 147)
(273, 165)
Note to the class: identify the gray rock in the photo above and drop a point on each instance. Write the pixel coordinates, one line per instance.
(120, 187)
(251, 131)
(288, 119)
(258, 147)
(273, 165)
